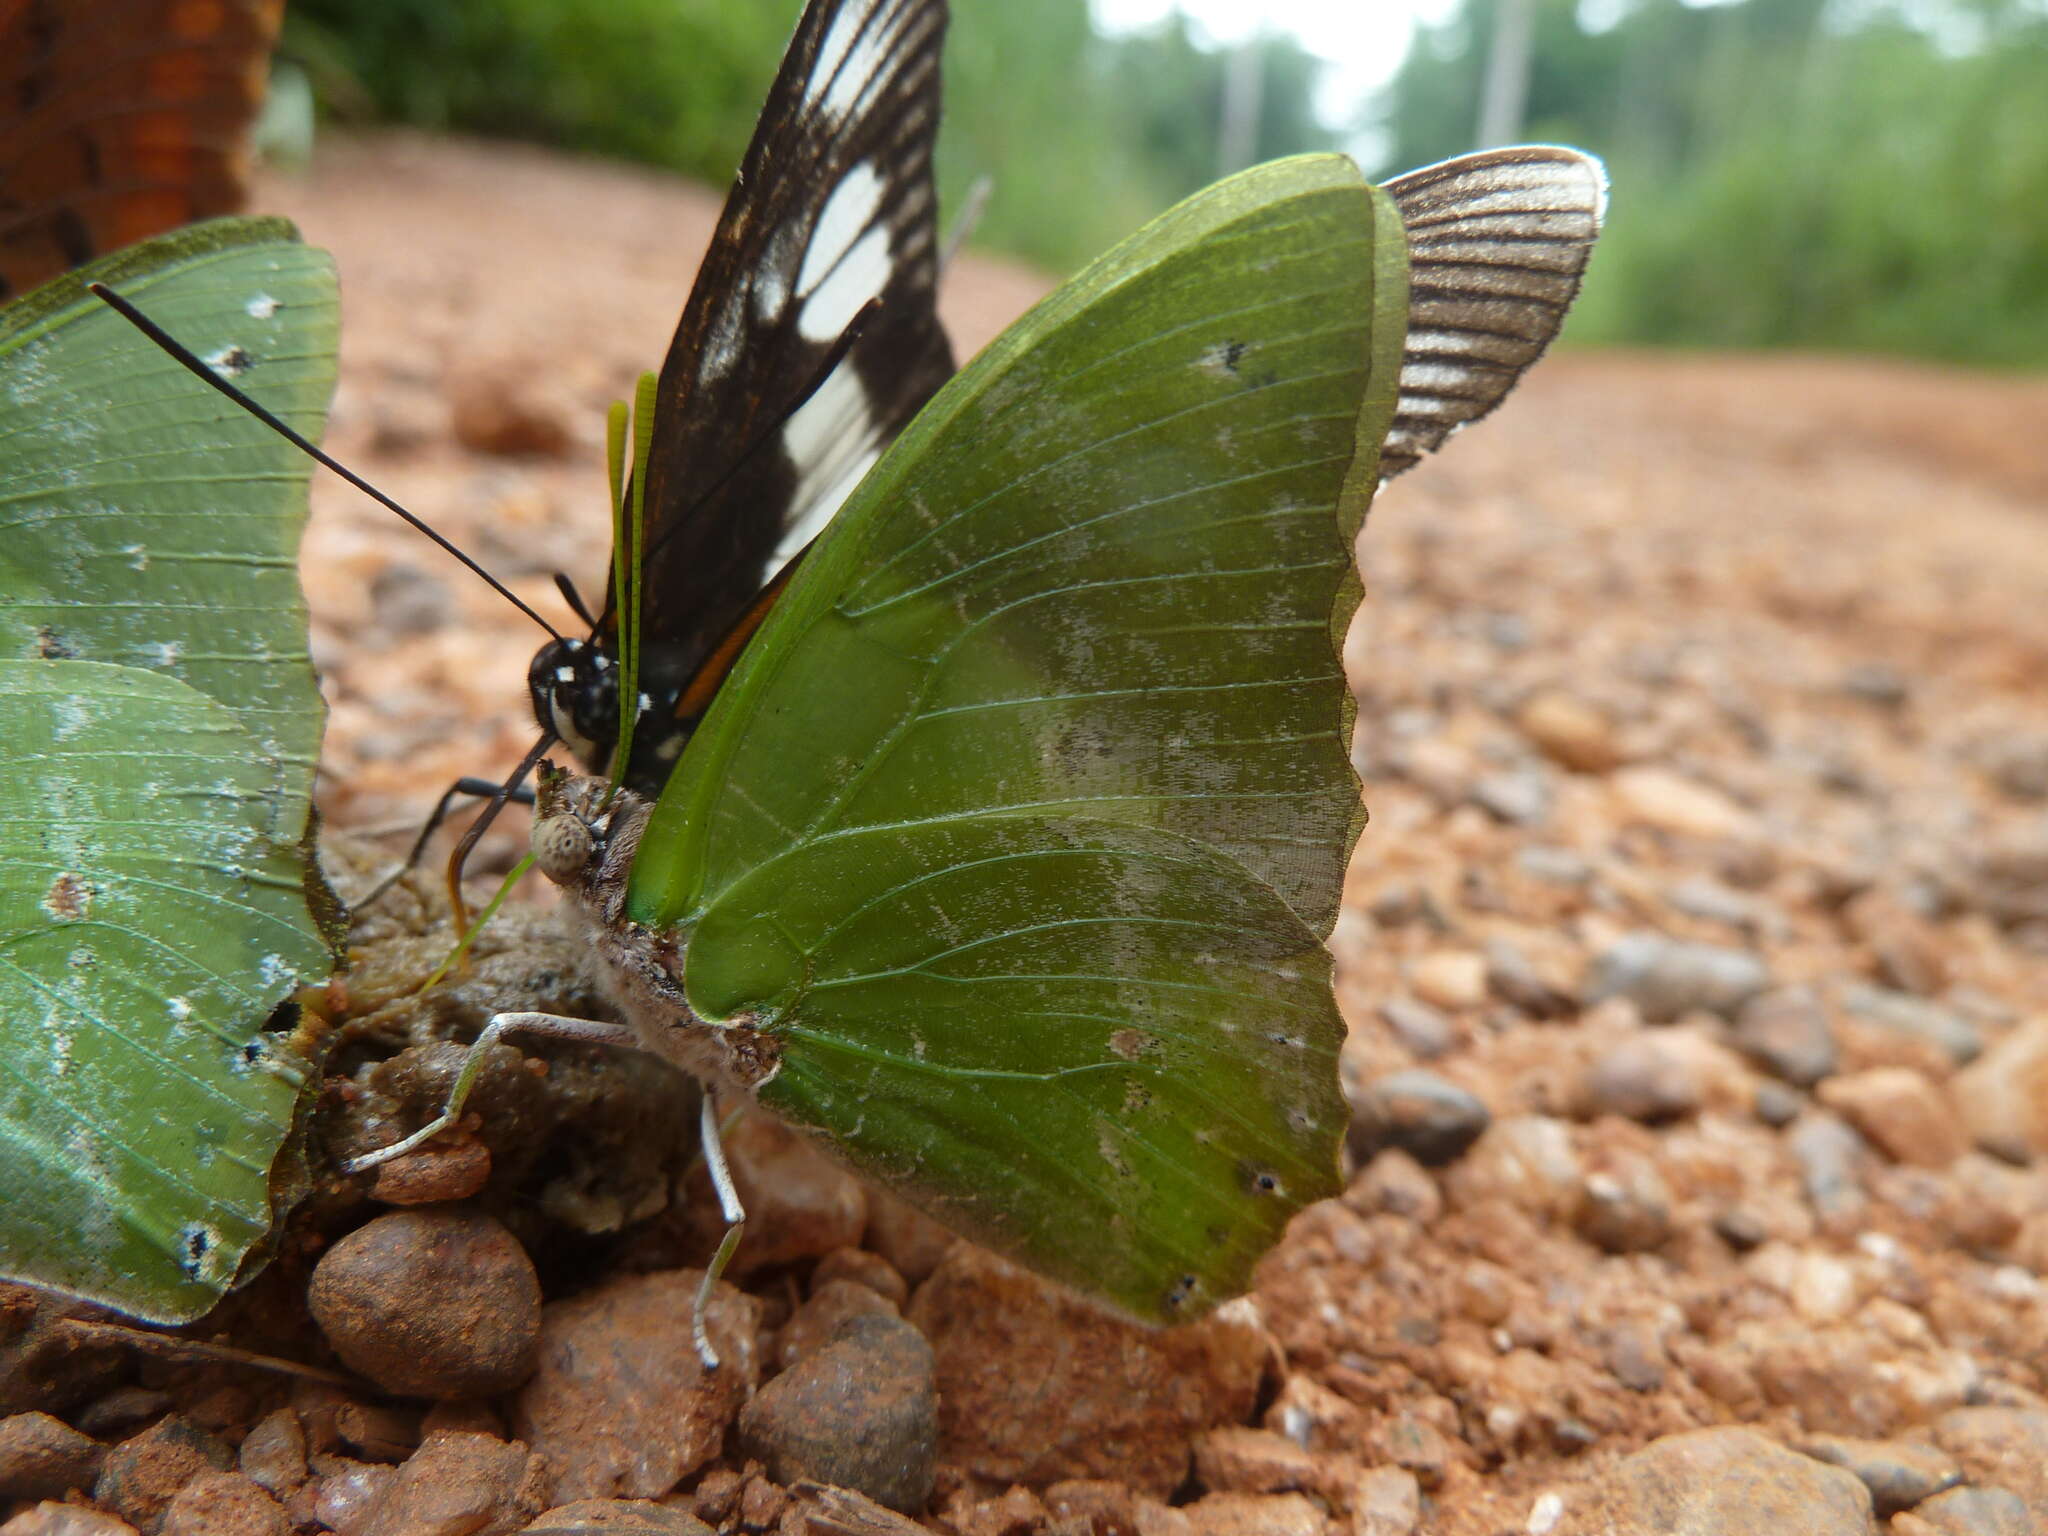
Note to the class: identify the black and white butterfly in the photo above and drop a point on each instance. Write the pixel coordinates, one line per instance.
(809, 341)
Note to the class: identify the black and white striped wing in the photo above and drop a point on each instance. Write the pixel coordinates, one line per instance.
(832, 219)
(1497, 243)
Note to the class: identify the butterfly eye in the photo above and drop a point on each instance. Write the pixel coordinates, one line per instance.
(562, 846)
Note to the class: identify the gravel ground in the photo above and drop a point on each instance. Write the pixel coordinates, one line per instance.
(1696, 962)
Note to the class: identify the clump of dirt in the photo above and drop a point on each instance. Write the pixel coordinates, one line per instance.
(1696, 964)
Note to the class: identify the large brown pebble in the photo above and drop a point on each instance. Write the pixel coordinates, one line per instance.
(860, 1412)
(224, 1504)
(44, 1458)
(1037, 1385)
(433, 1302)
(460, 1485)
(619, 1404)
(140, 1476)
(1720, 1482)
(616, 1517)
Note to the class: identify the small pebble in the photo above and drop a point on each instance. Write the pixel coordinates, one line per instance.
(1511, 977)
(1241, 1459)
(273, 1453)
(141, 1475)
(863, 1268)
(1419, 1027)
(447, 1169)
(2002, 1098)
(1714, 902)
(860, 1412)
(1941, 1027)
(1521, 798)
(1553, 866)
(44, 1458)
(1432, 1120)
(1830, 1158)
(1898, 1473)
(1398, 1185)
(1875, 682)
(1387, 1501)
(1626, 1207)
(1667, 978)
(2018, 765)
(1787, 1033)
(1777, 1104)
(1574, 733)
(432, 1302)
(1909, 1118)
(1449, 978)
(1671, 802)
(456, 1484)
(1646, 1077)
(224, 1504)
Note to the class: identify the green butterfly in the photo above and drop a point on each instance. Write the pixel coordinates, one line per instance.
(1003, 858)
(158, 895)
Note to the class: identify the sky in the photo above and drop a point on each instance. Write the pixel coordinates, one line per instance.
(1364, 40)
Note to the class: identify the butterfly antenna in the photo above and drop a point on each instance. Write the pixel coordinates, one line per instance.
(194, 365)
(847, 340)
(574, 598)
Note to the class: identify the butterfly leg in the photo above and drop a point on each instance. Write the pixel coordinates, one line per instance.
(735, 1216)
(553, 1025)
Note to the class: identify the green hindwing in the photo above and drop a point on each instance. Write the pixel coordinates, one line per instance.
(1020, 825)
(158, 896)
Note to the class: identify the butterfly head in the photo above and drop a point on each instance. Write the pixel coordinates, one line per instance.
(574, 686)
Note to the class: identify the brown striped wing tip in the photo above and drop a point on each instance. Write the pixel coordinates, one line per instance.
(1497, 244)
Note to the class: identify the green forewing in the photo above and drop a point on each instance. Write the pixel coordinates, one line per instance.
(157, 895)
(1020, 823)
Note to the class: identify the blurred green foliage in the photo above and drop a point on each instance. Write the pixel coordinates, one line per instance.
(1084, 137)
(1786, 172)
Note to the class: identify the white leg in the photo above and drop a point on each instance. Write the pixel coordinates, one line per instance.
(735, 1223)
(587, 1031)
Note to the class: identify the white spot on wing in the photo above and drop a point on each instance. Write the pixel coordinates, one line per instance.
(844, 220)
(832, 443)
(262, 307)
(860, 277)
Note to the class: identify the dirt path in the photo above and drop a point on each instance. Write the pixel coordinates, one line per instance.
(1751, 653)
